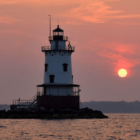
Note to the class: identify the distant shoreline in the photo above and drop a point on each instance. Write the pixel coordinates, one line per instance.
(114, 107)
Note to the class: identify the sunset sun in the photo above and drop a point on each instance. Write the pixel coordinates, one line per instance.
(122, 73)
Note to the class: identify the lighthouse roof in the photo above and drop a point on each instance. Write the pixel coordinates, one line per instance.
(57, 29)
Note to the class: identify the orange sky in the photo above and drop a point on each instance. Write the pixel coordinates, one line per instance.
(104, 32)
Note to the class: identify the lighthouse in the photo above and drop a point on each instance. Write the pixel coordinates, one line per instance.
(58, 90)
(58, 94)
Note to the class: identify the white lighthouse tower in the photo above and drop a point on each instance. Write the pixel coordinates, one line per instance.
(58, 90)
(58, 68)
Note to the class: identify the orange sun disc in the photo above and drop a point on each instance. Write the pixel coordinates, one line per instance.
(122, 73)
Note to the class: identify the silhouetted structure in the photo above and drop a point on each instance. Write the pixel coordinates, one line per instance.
(58, 90)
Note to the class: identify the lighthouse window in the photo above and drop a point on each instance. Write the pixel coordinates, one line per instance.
(65, 67)
(46, 67)
(51, 78)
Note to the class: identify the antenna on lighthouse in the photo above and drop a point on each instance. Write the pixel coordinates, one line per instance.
(50, 24)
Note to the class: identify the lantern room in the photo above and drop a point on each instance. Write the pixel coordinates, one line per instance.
(58, 34)
(58, 31)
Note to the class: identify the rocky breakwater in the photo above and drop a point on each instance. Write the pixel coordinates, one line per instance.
(42, 113)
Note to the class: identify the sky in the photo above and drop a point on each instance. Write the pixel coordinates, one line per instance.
(105, 34)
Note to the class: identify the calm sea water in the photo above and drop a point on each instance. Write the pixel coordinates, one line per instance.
(118, 127)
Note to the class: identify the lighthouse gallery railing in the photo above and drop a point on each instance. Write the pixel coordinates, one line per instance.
(30, 102)
(48, 48)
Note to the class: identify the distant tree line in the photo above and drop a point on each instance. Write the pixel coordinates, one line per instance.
(113, 107)
(4, 106)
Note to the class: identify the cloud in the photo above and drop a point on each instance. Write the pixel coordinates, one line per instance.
(92, 12)
(38, 2)
(124, 48)
(97, 12)
(121, 55)
(119, 60)
(7, 2)
(125, 16)
(8, 20)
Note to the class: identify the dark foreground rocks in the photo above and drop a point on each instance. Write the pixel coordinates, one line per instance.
(42, 113)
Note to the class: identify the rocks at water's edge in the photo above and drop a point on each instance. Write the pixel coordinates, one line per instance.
(42, 113)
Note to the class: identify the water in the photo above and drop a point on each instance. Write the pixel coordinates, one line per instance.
(118, 127)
